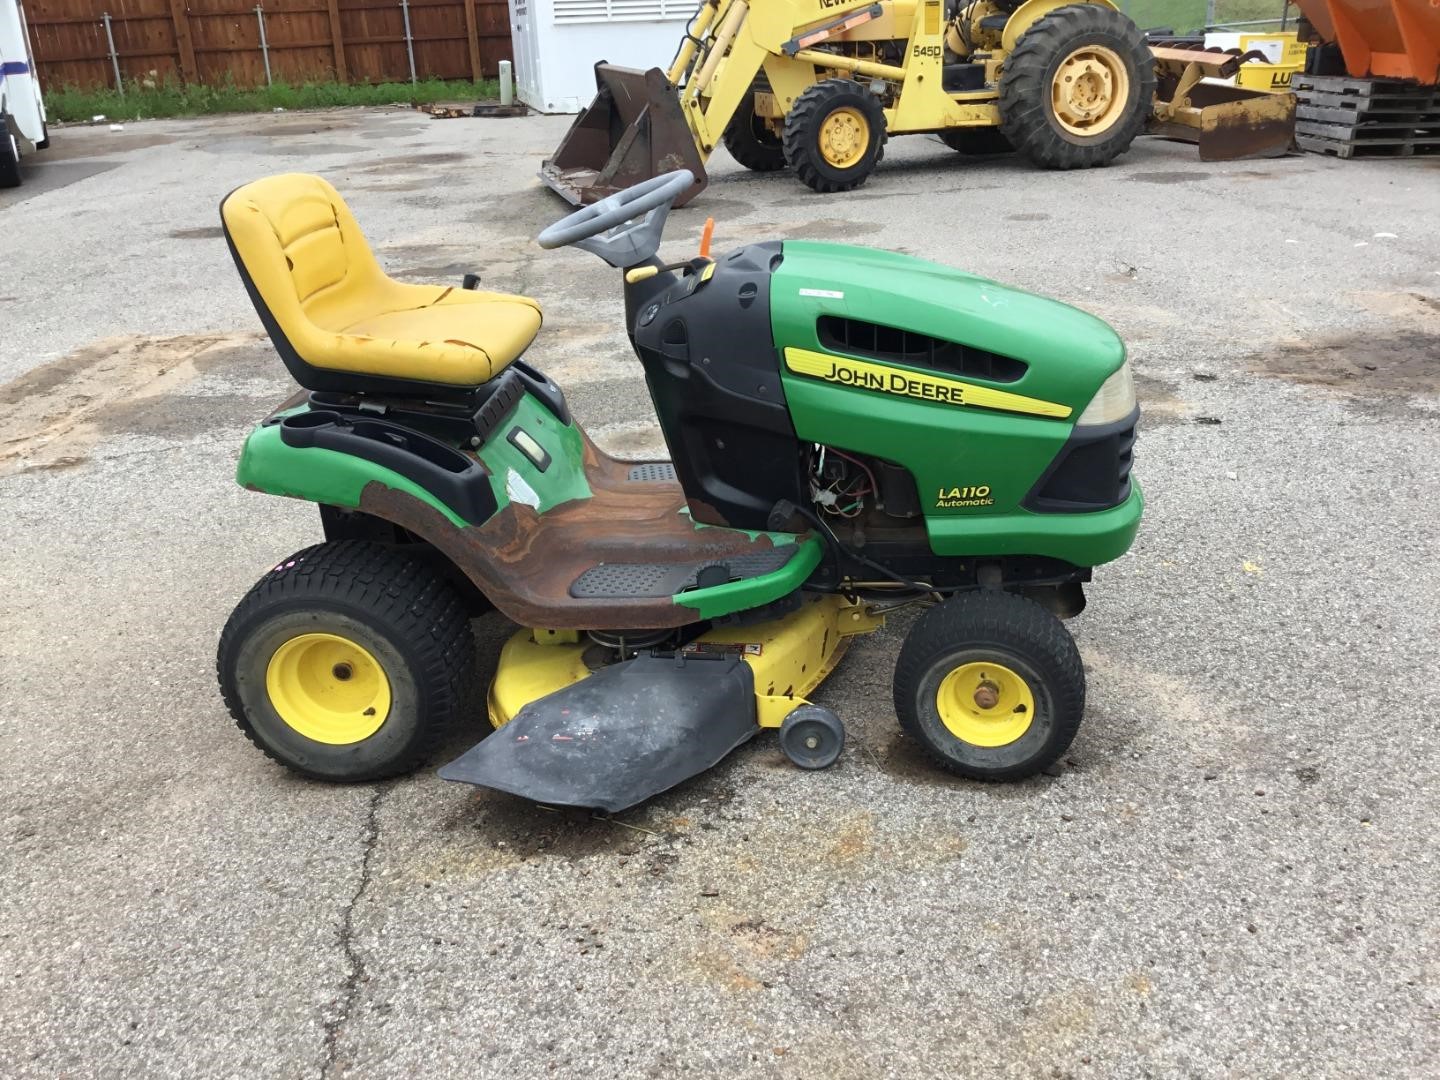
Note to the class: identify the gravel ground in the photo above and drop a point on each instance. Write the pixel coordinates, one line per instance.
(1232, 876)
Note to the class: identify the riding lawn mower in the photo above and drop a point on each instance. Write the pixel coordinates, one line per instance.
(850, 432)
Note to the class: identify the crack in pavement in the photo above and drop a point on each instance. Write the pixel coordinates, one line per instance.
(357, 973)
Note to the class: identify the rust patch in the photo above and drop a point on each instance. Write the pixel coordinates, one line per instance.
(524, 562)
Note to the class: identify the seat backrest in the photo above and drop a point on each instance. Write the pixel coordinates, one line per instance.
(304, 261)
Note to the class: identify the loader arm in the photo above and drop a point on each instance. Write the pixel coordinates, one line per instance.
(723, 70)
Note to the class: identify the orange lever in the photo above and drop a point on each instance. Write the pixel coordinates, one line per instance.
(705, 236)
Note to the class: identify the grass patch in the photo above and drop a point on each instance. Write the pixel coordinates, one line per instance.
(149, 102)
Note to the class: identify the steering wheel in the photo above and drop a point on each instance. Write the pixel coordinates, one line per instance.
(623, 229)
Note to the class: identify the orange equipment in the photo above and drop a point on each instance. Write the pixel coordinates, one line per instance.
(1399, 39)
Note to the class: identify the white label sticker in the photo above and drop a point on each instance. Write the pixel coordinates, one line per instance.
(519, 491)
(825, 294)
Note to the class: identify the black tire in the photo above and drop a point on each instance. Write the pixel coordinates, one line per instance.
(1023, 640)
(400, 611)
(804, 126)
(812, 737)
(977, 141)
(750, 140)
(9, 159)
(1027, 111)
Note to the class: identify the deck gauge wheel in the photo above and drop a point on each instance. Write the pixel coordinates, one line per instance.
(812, 737)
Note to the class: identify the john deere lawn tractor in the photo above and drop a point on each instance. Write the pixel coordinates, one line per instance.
(850, 432)
(817, 86)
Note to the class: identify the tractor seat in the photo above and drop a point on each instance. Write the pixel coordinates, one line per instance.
(338, 322)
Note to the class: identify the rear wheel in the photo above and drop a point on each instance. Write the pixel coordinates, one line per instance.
(834, 135)
(348, 661)
(1078, 87)
(751, 141)
(991, 686)
(9, 158)
(977, 141)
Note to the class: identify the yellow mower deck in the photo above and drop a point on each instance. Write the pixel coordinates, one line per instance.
(789, 656)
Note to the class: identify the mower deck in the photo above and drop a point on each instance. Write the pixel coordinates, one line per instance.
(615, 735)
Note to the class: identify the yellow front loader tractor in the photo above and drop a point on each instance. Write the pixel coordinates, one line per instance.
(816, 86)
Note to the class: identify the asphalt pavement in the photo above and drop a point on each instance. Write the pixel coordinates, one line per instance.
(1233, 874)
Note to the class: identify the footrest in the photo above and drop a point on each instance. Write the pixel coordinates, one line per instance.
(653, 472)
(614, 581)
(614, 739)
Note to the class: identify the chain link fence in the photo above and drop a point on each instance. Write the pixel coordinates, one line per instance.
(1187, 16)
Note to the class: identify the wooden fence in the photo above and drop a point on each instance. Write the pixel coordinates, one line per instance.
(212, 41)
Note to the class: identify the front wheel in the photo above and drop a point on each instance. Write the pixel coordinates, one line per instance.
(834, 135)
(348, 661)
(991, 686)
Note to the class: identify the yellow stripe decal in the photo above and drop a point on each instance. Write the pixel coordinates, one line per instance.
(916, 384)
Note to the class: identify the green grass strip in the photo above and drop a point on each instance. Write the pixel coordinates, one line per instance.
(143, 100)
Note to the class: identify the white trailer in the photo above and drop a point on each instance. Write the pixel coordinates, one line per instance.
(22, 112)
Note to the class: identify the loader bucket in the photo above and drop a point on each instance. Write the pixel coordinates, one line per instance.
(633, 130)
(1226, 122)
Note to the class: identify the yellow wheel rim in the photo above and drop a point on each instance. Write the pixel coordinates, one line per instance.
(328, 688)
(985, 704)
(844, 137)
(1090, 90)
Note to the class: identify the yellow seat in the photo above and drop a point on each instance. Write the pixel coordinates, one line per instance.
(334, 314)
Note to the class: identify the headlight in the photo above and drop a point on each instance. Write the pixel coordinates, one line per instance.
(1114, 401)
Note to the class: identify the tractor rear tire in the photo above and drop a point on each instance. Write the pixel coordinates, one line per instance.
(977, 141)
(1078, 88)
(750, 140)
(835, 135)
(348, 662)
